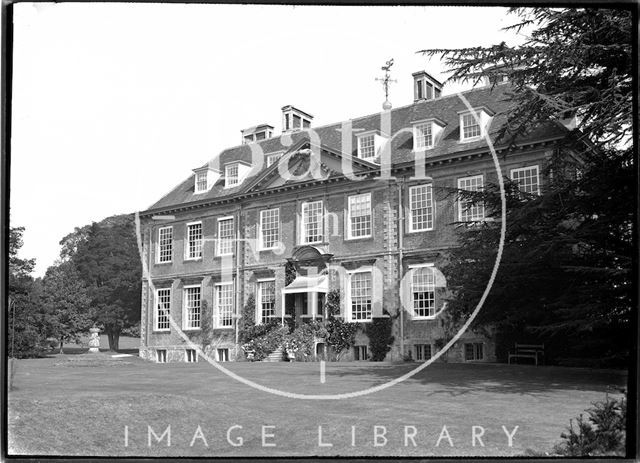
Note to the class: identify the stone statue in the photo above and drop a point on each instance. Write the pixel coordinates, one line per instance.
(94, 340)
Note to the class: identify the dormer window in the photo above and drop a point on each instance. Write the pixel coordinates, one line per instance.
(205, 177)
(201, 181)
(423, 136)
(235, 173)
(231, 175)
(474, 123)
(369, 145)
(470, 126)
(425, 133)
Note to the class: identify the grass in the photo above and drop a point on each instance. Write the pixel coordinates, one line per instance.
(80, 405)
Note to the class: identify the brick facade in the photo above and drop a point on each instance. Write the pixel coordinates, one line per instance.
(392, 248)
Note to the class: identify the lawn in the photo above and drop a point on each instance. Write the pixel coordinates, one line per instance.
(82, 405)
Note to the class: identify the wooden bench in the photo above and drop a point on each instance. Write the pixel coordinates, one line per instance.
(530, 351)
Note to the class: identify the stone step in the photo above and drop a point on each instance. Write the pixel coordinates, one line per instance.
(275, 356)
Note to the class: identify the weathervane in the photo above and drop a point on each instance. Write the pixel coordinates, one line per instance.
(385, 83)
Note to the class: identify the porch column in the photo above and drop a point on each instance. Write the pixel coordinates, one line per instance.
(312, 304)
(282, 309)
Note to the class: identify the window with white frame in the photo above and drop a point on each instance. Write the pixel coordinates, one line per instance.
(231, 177)
(225, 236)
(194, 241)
(190, 356)
(273, 158)
(222, 354)
(192, 310)
(420, 208)
(161, 356)
(360, 295)
(423, 352)
(423, 136)
(224, 305)
(165, 244)
(359, 217)
(474, 351)
(201, 181)
(269, 228)
(312, 222)
(471, 126)
(527, 178)
(367, 146)
(470, 210)
(423, 292)
(163, 309)
(267, 300)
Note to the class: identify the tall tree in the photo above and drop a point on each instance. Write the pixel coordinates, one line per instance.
(566, 275)
(19, 269)
(106, 256)
(23, 317)
(66, 302)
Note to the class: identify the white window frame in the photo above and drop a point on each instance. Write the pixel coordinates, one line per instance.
(218, 356)
(156, 310)
(227, 177)
(361, 138)
(480, 117)
(526, 168)
(461, 202)
(303, 231)
(349, 217)
(187, 241)
(217, 314)
(430, 208)
(416, 136)
(161, 356)
(412, 269)
(219, 239)
(191, 356)
(349, 306)
(159, 246)
(197, 180)
(259, 314)
(263, 213)
(185, 309)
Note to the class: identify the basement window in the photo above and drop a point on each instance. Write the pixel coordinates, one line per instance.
(360, 353)
(222, 355)
(190, 356)
(161, 356)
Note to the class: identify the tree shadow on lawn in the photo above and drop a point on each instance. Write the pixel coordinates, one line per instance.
(458, 378)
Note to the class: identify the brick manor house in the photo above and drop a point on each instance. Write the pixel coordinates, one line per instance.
(376, 234)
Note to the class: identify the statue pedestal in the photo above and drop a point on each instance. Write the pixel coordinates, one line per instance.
(94, 340)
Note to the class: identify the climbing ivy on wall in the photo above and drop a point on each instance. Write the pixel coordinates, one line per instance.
(341, 335)
(289, 273)
(380, 338)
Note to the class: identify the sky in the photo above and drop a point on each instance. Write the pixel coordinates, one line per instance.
(114, 104)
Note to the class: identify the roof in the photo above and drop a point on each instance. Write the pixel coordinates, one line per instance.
(308, 284)
(496, 99)
(256, 128)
